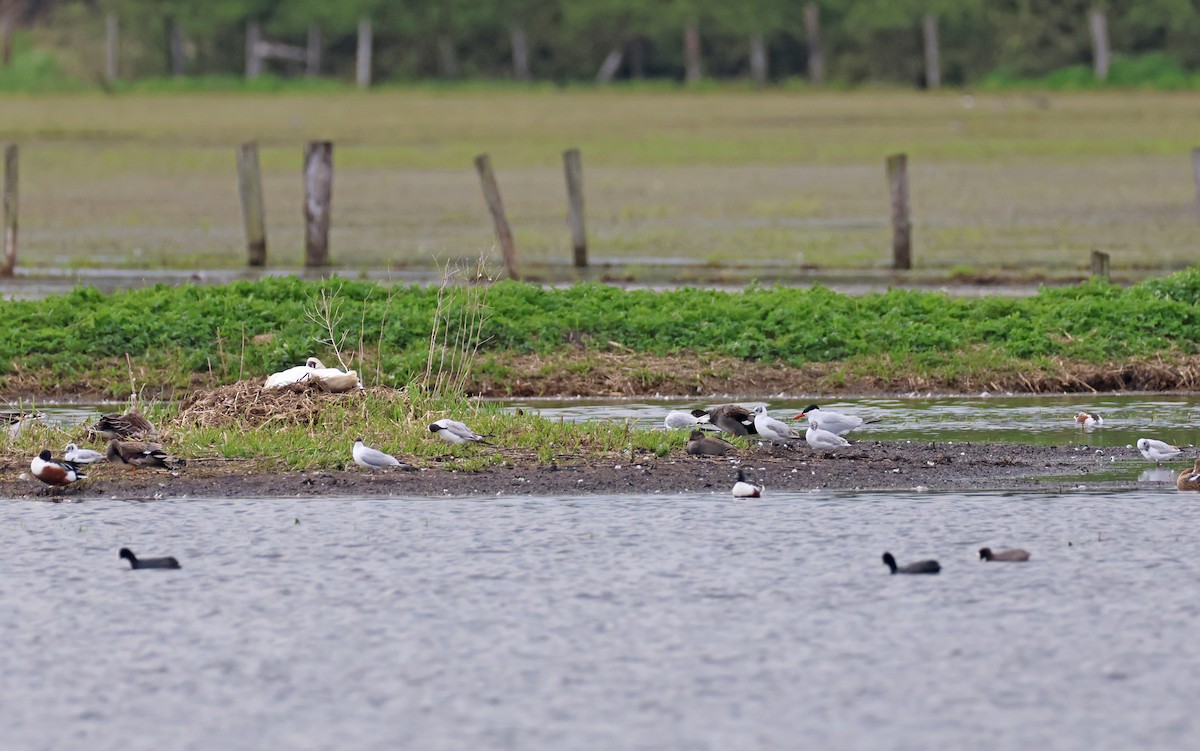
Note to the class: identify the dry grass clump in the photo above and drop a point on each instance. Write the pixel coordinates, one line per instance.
(248, 405)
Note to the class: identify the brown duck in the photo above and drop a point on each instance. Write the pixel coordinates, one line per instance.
(1189, 479)
(116, 427)
(705, 445)
(731, 418)
(137, 454)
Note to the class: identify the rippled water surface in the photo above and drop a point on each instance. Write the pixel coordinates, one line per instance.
(605, 623)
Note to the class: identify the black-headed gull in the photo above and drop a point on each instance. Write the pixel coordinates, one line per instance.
(677, 419)
(1157, 451)
(771, 429)
(76, 455)
(51, 472)
(834, 422)
(1089, 419)
(920, 567)
(819, 438)
(1014, 555)
(455, 432)
(706, 445)
(373, 459)
(135, 562)
(744, 489)
(731, 418)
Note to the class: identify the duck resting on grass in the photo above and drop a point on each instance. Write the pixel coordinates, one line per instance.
(706, 445)
(138, 454)
(54, 473)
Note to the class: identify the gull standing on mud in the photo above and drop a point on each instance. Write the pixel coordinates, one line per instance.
(1157, 451)
(51, 472)
(373, 459)
(771, 429)
(744, 489)
(456, 432)
(834, 422)
(819, 438)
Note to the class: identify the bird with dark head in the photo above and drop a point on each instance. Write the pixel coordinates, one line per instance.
(135, 562)
(700, 444)
(920, 567)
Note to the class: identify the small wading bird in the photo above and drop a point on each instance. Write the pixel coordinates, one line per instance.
(1157, 451)
(137, 454)
(771, 429)
(1189, 479)
(373, 459)
(1012, 555)
(920, 567)
(136, 563)
(730, 418)
(76, 455)
(744, 489)
(834, 422)
(819, 438)
(54, 473)
(706, 445)
(456, 432)
(1089, 419)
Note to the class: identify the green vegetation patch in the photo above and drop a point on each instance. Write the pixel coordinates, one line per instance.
(250, 329)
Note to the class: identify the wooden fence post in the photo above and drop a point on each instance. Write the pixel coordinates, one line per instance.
(318, 192)
(933, 63)
(897, 177)
(10, 210)
(491, 194)
(447, 57)
(6, 24)
(254, 65)
(520, 52)
(758, 59)
(111, 44)
(573, 167)
(250, 188)
(1196, 173)
(312, 52)
(812, 35)
(610, 66)
(692, 62)
(1101, 52)
(1099, 264)
(362, 60)
(175, 50)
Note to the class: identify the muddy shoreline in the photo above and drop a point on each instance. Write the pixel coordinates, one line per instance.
(868, 465)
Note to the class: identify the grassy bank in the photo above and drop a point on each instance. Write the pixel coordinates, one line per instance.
(171, 339)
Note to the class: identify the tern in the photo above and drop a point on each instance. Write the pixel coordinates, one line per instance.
(834, 422)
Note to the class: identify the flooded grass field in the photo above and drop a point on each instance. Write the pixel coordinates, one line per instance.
(561, 623)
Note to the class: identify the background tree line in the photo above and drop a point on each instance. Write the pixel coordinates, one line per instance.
(567, 40)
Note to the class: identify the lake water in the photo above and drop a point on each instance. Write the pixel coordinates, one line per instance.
(602, 623)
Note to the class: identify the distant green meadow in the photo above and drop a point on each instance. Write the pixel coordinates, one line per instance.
(1019, 180)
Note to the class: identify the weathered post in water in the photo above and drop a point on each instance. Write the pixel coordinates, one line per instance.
(1099, 264)
(573, 167)
(250, 188)
(491, 194)
(10, 210)
(318, 192)
(897, 177)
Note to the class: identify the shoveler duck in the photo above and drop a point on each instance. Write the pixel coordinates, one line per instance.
(1089, 419)
(730, 418)
(1012, 555)
(834, 422)
(920, 567)
(1189, 479)
(55, 473)
(1157, 451)
(706, 445)
(76, 455)
(455, 432)
(744, 489)
(137, 454)
(135, 562)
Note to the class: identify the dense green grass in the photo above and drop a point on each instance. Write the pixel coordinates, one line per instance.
(250, 329)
